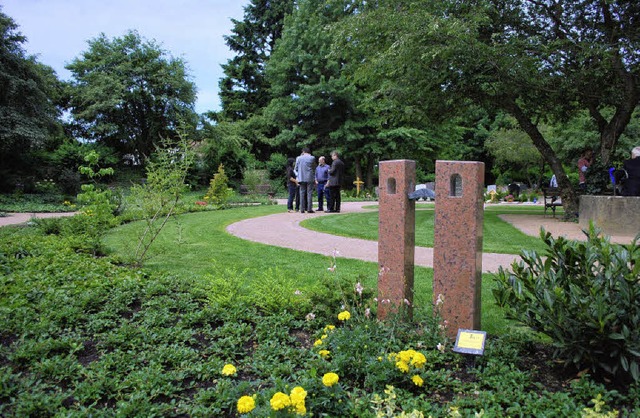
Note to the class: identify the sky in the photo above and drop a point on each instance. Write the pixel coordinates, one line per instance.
(57, 32)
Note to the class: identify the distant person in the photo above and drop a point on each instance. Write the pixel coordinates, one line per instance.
(585, 161)
(292, 186)
(305, 174)
(631, 185)
(336, 177)
(322, 175)
(554, 182)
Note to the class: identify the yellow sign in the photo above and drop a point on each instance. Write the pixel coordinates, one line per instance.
(470, 342)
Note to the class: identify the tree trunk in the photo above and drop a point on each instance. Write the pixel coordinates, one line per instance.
(569, 196)
(370, 165)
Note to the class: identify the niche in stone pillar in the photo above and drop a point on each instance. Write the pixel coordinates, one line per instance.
(391, 185)
(455, 189)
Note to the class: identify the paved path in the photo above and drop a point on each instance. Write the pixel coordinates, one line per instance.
(284, 230)
(20, 218)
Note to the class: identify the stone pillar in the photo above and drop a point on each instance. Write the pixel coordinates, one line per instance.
(396, 237)
(457, 249)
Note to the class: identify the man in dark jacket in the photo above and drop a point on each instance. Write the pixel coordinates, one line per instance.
(336, 176)
(631, 185)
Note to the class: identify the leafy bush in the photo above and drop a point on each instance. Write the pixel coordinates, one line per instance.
(584, 296)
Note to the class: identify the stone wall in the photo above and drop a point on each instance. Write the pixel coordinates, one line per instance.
(615, 215)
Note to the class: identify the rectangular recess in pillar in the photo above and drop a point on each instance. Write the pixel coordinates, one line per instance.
(396, 237)
(457, 249)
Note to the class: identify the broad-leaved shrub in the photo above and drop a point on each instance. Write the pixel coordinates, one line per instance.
(585, 296)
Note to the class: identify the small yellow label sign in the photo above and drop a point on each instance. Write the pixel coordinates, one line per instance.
(470, 342)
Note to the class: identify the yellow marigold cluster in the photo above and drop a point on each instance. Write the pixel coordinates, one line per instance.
(298, 395)
(344, 316)
(280, 401)
(407, 358)
(295, 402)
(330, 379)
(229, 370)
(324, 353)
(246, 404)
(417, 380)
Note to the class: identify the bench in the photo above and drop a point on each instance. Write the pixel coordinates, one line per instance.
(260, 189)
(552, 199)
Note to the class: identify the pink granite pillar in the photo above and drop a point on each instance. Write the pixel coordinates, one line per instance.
(457, 249)
(396, 236)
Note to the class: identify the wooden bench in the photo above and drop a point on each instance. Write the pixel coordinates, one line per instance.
(552, 199)
(260, 189)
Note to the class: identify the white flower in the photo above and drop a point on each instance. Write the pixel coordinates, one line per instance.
(297, 292)
(310, 316)
(440, 347)
(359, 288)
(440, 299)
(367, 313)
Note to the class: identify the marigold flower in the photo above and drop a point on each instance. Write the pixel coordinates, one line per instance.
(317, 343)
(330, 379)
(246, 404)
(298, 394)
(418, 360)
(402, 366)
(329, 328)
(417, 380)
(229, 370)
(280, 401)
(344, 316)
(324, 353)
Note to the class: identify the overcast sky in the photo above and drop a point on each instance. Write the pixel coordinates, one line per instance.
(58, 30)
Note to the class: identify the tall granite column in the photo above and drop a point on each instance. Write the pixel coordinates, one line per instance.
(396, 237)
(457, 249)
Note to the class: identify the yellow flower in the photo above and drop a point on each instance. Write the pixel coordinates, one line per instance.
(417, 380)
(317, 343)
(298, 394)
(280, 401)
(329, 328)
(418, 360)
(402, 366)
(246, 404)
(324, 353)
(405, 355)
(324, 336)
(344, 316)
(330, 379)
(228, 370)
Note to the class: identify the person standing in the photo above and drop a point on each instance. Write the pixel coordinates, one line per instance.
(305, 175)
(583, 165)
(322, 175)
(292, 186)
(631, 185)
(336, 176)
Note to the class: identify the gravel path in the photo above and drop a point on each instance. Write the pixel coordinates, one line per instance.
(20, 218)
(284, 230)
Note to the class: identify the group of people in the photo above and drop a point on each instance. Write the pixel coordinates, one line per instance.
(630, 168)
(303, 175)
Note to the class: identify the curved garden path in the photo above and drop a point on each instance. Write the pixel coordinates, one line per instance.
(284, 230)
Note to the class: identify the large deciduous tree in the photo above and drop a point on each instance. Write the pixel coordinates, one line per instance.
(538, 60)
(28, 115)
(129, 94)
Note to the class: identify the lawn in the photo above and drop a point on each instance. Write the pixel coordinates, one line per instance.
(498, 236)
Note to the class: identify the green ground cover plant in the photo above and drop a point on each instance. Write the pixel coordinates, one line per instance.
(81, 336)
(498, 236)
(35, 203)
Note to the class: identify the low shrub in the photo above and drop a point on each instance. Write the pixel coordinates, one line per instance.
(584, 296)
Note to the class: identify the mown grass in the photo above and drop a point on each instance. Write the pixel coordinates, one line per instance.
(498, 236)
(197, 244)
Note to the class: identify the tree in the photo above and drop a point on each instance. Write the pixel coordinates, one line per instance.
(28, 115)
(539, 60)
(244, 90)
(129, 94)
